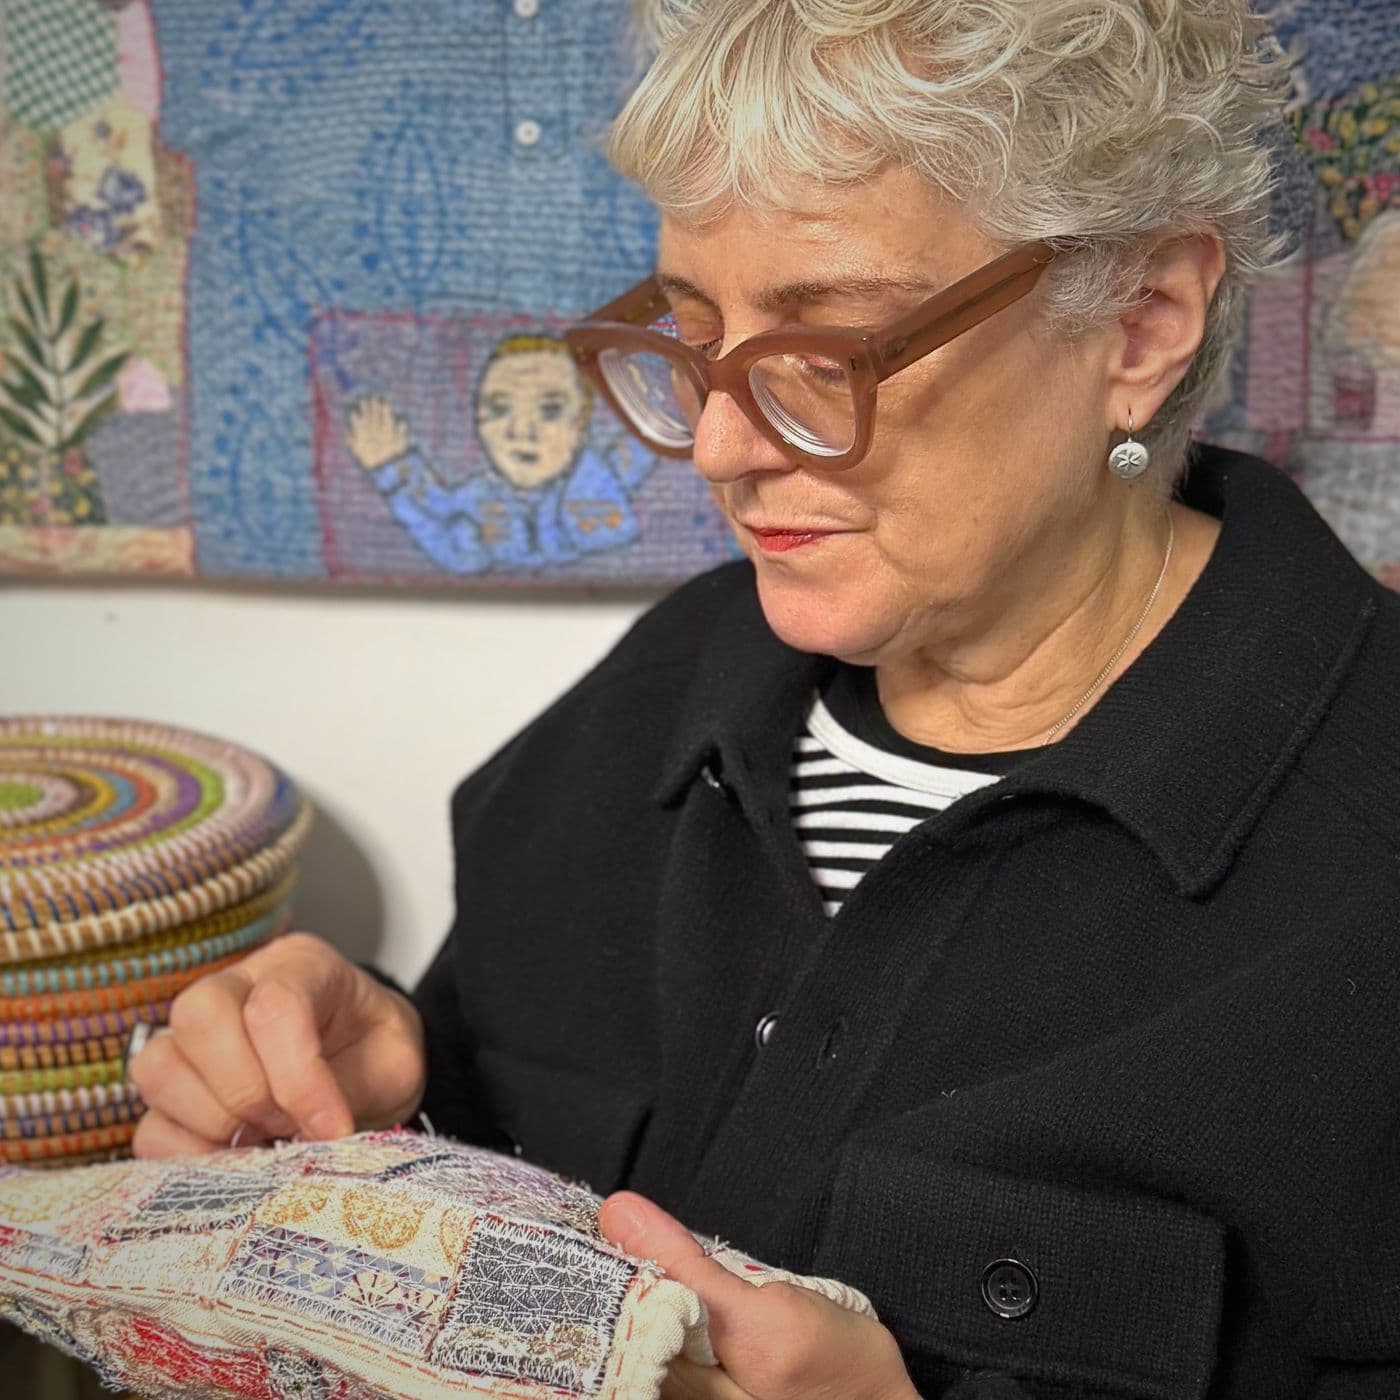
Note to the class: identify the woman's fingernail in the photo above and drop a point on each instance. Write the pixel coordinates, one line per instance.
(624, 1219)
(324, 1125)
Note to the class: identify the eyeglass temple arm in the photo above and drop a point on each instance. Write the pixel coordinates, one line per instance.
(963, 305)
(637, 306)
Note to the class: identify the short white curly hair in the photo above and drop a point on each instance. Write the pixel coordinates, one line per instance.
(1093, 123)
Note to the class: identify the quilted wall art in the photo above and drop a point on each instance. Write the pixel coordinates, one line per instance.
(295, 272)
(383, 1265)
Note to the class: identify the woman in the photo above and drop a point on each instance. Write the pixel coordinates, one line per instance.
(985, 895)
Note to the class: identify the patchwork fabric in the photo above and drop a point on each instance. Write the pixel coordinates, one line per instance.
(1314, 380)
(385, 1264)
(325, 249)
(62, 59)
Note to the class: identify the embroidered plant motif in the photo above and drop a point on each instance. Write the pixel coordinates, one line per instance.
(58, 384)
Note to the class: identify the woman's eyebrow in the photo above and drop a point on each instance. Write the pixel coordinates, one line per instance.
(782, 298)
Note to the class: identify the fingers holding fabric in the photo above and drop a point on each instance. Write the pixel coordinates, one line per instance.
(158, 1136)
(170, 1085)
(687, 1381)
(293, 1041)
(206, 1023)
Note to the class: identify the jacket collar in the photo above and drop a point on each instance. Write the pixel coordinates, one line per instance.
(1184, 749)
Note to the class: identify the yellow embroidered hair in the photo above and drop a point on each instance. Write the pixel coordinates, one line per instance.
(1095, 122)
(527, 343)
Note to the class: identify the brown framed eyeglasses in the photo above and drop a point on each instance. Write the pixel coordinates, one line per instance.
(810, 392)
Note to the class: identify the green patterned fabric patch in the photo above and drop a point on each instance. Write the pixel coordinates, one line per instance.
(61, 59)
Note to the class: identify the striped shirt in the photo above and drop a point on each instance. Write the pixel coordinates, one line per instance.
(857, 785)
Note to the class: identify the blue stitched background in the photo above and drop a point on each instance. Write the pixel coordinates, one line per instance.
(316, 232)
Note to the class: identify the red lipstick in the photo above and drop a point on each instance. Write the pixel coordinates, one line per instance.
(774, 541)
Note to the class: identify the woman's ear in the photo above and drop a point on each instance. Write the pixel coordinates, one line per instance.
(1158, 335)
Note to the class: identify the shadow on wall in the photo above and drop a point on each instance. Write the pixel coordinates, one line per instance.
(338, 894)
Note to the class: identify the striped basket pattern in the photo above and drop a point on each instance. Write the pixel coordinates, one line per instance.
(135, 858)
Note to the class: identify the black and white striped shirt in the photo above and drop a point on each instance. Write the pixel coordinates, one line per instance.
(857, 785)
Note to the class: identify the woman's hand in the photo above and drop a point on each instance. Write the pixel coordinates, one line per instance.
(777, 1342)
(294, 1039)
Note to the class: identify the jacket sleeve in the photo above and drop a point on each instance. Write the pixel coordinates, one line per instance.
(664, 637)
(454, 1100)
(451, 1100)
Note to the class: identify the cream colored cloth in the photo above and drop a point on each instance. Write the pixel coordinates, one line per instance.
(385, 1264)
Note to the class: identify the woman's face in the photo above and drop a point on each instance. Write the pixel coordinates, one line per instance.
(987, 455)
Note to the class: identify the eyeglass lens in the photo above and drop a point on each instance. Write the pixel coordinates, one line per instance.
(808, 398)
(655, 393)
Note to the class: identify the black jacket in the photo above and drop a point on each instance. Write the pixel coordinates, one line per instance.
(1128, 1017)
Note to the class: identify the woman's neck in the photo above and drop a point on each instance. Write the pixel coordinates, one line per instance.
(1008, 685)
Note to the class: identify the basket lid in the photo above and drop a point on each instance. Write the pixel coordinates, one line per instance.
(111, 829)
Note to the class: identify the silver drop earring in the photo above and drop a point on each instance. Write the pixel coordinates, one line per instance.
(1129, 459)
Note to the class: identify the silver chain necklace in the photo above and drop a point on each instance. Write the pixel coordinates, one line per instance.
(1126, 642)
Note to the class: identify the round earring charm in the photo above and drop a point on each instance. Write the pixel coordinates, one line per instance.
(1129, 459)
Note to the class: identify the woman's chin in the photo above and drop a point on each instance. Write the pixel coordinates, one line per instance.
(831, 620)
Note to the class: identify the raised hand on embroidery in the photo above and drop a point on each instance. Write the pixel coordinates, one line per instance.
(774, 1342)
(293, 1040)
(374, 433)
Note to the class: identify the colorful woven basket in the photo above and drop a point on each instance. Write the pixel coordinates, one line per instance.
(114, 829)
(135, 858)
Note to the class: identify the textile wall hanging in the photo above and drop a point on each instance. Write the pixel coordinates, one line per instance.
(309, 248)
(385, 1264)
(1314, 384)
(283, 282)
(134, 858)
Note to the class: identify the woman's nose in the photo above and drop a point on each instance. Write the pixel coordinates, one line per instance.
(728, 446)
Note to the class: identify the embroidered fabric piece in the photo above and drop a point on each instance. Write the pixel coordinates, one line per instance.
(382, 1265)
(325, 251)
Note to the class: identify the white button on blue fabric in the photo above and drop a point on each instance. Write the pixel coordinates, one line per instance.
(763, 1032)
(528, 132)
(527, 9)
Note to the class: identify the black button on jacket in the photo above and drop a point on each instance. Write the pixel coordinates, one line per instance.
(1129, 1018)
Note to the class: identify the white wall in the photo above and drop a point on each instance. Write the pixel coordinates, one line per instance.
(377, 705)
